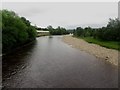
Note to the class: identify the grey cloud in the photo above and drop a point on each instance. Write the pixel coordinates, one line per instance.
(66, 14)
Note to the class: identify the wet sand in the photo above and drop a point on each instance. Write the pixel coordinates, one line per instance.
(109, 55)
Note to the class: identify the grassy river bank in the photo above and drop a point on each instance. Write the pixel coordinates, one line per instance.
(110, 55)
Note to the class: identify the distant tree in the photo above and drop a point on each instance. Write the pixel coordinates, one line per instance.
(79, 31)
(58, 31)
(50, 27)
(109, 33)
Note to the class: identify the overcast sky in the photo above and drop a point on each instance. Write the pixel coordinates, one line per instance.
(68, 15)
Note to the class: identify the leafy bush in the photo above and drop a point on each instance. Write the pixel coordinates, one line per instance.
(57, 31)
(16, 31)
(109, 33)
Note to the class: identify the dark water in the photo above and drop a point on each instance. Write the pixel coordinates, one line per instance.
(50, 63)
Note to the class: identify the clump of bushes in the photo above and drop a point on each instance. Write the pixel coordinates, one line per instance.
(16, 31)
(58, 31)
(109, 33)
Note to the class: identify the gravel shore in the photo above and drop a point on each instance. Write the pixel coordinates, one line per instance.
(109, 55)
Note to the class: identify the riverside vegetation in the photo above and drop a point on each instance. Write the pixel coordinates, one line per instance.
(16, 31)
(108, 36)
(55, 31)
(58, 31)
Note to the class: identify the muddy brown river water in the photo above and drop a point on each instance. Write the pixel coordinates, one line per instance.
(51, 63)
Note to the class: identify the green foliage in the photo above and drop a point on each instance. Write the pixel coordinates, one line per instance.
(16, 31)
(109, 33)
(108, 44)
(57, 31)
(106, 36)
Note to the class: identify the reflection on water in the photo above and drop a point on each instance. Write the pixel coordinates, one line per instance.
(14, 62)
(50, 36)
(50, 63)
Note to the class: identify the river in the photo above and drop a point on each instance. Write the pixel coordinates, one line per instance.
(51, 63)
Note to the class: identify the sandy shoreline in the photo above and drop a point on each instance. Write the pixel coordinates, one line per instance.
(109, 55)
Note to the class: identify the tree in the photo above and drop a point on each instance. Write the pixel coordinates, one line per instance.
(109, 33)
(16, 31)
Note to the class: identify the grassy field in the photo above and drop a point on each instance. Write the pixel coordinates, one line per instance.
(107, 44)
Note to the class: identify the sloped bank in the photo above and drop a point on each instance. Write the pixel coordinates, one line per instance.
(109, 55)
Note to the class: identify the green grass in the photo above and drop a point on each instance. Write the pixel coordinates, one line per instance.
(107, 44)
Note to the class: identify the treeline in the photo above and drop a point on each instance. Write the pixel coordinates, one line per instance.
(109, 33)
(39, 28)
(16, 31)
(58, 31)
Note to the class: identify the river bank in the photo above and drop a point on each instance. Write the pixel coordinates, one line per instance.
(109, 55)
(49, 62)
(17, 48)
